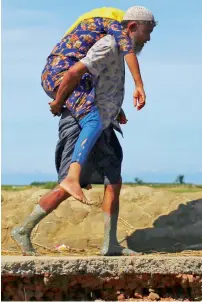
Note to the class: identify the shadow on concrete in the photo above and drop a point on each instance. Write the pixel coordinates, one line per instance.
(179, 230)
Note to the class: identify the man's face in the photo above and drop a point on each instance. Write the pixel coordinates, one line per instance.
(141, 36)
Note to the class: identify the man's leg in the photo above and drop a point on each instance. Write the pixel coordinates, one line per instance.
(68, 134)
(107, 157)
(110, 208)
(46, 205)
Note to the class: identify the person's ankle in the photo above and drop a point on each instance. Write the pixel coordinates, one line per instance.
(22, 230)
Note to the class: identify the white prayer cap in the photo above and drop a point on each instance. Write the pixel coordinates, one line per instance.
(138, 13)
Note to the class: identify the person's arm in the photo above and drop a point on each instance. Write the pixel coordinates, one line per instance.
(94, 62)
(69, 82)
(139, 96)
(115, 29)
(133, 65)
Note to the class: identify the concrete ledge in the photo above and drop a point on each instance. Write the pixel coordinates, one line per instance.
(100, 266)
(150, 277)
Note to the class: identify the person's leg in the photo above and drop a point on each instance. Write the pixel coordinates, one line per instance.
(47, 204)
(68, 135)
(108, 156)
(110, 208)
(91, 129)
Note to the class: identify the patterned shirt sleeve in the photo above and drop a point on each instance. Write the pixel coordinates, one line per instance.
(115, 29)
(98, 56)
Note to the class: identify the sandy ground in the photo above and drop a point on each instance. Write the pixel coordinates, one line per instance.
(153, 221)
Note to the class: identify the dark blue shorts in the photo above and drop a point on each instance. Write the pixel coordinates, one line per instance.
(104, 162)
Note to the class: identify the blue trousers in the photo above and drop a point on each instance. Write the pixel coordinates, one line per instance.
(91, 129)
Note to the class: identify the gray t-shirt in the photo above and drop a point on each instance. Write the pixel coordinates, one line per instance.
(106, 64)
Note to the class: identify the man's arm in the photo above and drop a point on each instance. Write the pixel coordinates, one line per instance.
(94, 62)
(69, 82)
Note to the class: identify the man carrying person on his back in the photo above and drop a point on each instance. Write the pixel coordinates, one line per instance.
(105, 62)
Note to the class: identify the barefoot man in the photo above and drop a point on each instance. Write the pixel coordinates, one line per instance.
(105, 63)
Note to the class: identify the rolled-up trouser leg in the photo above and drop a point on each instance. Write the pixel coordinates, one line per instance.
(91, 129)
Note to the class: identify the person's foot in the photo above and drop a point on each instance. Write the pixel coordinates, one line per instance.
(88, 187)
(118, 250)
(23, 241)
(72, 187)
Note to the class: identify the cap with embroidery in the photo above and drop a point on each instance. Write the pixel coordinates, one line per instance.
(138, 13)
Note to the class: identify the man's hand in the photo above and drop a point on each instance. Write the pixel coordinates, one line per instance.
(55, 108)
(122, 118)
(139, 97)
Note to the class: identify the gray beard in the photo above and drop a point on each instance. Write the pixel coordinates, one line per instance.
(137, 47)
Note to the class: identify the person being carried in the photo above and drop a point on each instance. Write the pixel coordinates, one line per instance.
(87, 30)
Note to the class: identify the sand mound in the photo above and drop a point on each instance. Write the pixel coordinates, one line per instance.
(150, 220)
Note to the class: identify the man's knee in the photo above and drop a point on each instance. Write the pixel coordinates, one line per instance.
(114, 188)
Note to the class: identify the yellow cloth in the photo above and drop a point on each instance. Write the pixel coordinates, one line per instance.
(103, 12)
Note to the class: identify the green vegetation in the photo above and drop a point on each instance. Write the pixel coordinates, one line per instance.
(44, 185)
(186, 189)
(169, 186)
(163, 184)
(180, 179)
(138, 181)
(14, 188)
(179, 186)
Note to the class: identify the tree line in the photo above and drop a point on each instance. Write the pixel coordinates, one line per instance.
(180, 179)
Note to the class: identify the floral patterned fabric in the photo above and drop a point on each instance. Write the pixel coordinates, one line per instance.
(72, 48)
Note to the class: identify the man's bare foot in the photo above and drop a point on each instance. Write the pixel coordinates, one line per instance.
(72, 187)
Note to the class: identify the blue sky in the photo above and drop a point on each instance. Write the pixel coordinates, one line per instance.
(162, 139)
